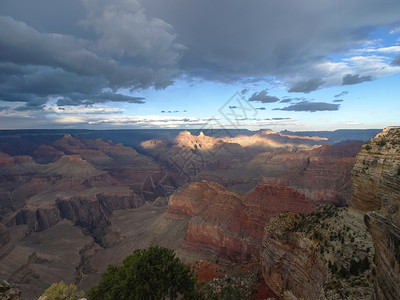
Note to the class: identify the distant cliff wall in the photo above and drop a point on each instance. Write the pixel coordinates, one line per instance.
(92, 214)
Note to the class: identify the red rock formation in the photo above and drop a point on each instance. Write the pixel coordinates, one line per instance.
(322, 173)
(45, 154)
(229, 224)
(5, 159)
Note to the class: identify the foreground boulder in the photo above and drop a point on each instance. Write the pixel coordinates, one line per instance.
(7, 292)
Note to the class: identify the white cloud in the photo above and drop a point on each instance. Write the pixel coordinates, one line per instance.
(82, 109)
(389, 50)
(373, 65)
(70, 120)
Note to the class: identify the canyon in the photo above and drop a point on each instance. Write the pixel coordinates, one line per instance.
(350, 252)
(91, 201)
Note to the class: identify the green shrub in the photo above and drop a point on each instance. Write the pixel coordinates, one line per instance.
(62, 291)
(381, 143)
(153, 273)
(227, 292)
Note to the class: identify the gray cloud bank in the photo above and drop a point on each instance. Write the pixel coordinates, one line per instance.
(87, 51)
(349, 79)
(306, 86)
(396, 61)
(311, 106)
(263, 97)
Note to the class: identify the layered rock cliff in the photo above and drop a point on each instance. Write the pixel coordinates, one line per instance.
(230, 225)
(347, 262)
(90, 213)
(321, 172)
(290, 262)
(376, 190)
(322, 255)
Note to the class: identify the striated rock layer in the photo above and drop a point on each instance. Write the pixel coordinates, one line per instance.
(230, 225)
(92, 214)
(321, 172)
(376, 189)
(290, 262)
(319, 255)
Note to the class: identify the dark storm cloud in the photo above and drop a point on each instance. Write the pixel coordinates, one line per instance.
(126, 49)
(261, 108)
(306, 86)
(254, 38)
(111, 97)
(349, 79)
(311, 106)
(341, 94)
(338, 100)
(263, 97)
(117, 44)
(396, 61)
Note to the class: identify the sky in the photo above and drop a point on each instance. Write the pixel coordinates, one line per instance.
(261, 64)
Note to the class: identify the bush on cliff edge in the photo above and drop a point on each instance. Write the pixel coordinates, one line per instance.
(153, 273)
(62, 291)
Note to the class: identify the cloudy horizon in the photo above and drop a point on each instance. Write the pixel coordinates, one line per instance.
(188, 64)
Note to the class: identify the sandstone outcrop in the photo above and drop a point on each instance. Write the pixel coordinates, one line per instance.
(230, 225)
(290, 262)
(376, 190)
(319, 255)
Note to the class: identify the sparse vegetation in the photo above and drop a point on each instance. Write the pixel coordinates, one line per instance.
(339, 244)
(156, 273)
(63, 291)
(381, 143)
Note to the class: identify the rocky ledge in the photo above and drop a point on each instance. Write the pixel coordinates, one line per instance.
(323, 255)
(376, 190)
